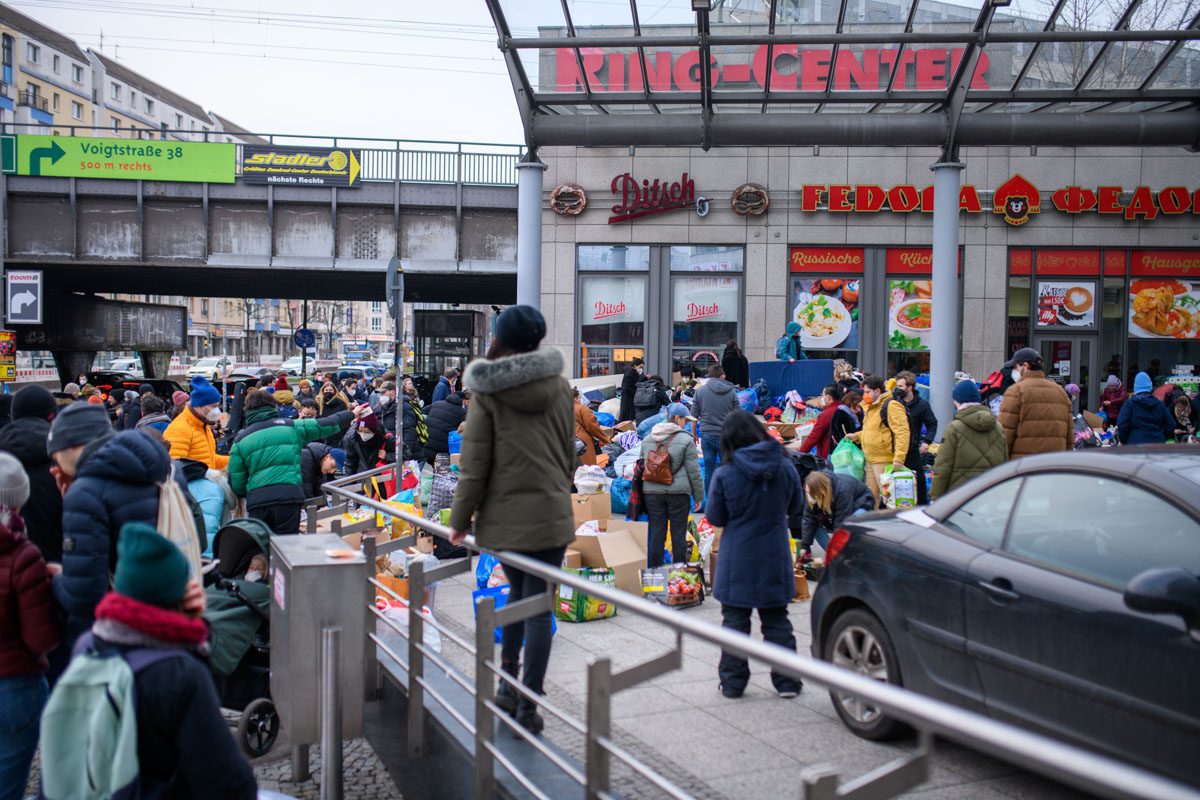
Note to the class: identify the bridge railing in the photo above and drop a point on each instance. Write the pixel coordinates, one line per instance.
(381, 160)
(420, 665)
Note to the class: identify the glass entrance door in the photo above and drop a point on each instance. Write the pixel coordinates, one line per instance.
(1071, 359)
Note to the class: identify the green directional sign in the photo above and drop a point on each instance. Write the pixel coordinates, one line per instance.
(8, 153)
(125, 159)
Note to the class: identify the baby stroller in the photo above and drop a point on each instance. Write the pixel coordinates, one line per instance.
(239, 618)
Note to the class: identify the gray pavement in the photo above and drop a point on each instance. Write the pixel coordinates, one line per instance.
(755, 746)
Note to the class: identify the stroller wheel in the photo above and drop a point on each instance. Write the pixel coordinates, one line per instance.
(258, 728)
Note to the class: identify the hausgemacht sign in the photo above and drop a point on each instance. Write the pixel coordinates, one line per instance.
(300, 166)
(127, 159)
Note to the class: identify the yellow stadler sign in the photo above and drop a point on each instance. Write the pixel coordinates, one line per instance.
(300, 166)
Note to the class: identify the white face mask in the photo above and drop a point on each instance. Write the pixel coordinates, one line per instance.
(384, 400)
(365, 434)
(641, 371)
(1016, 374)
(254, 576)
(213, 416)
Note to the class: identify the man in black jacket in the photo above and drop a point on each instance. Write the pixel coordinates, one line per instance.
(924, 428)
(33, 409)
(633, 376)
(736, 366)
(445, 416)
(319, 464)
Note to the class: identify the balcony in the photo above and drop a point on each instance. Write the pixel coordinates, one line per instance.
(33, 100)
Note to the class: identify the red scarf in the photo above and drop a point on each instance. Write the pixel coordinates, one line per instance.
(173, 627)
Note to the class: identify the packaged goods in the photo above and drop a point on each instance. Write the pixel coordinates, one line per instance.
(898, 487)
(572, 605)
(675, 585)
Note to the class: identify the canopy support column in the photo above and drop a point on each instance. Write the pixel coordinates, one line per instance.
(530, 172)
(946, 327)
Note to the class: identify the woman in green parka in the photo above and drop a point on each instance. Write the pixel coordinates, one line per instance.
(973, 443)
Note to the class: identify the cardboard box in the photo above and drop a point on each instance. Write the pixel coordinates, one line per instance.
(616, 550)
(786, 429)
(627, 425)
(640, 531)
(572, 559)
(591, 506)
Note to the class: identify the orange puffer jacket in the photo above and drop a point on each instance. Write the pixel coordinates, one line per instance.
(190, 437)
(1036, 417)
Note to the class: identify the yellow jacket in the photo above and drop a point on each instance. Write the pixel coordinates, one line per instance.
(189, 437)
(879, 444)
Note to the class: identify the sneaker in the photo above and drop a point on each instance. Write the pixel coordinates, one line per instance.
(732, 694)
(506, 699)
(788, 694)
(528, 717)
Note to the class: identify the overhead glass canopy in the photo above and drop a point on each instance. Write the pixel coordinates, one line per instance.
(854, 71)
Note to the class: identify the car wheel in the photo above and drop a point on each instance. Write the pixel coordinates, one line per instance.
(859, 642)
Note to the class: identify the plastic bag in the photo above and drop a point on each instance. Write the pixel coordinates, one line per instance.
(747, 400)
(676, 585)
(489, 573)
(898, 487)
(847, 459)
(455, 442)
(500, 595)
(397, 612)
(620, 495)
(590, 479)
(623, 466)
(605, 419)
(572, 605)
(611, 407)
(426, 486)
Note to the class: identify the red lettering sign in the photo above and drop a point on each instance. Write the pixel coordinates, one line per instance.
(1176, 263)
(912, 261)
(708, 311)
(826, 259)
(649, 197)
(1068, 262)
(1020, 262)
(1114, 262)
(603, 310)
(809, 69)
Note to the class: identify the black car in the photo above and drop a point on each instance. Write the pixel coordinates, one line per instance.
(118, 382)
(1058, 592)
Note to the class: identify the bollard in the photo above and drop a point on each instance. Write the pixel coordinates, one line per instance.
(300, 771)
(331, 716)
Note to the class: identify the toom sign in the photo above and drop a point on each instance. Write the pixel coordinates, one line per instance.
(792, 68)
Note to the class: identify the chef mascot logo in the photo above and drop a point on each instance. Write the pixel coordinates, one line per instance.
(1016, 199)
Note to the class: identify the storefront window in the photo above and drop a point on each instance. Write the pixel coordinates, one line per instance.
(1018, 312)
(827, 309)
(707, 258)
(614, 258)
(1164, 315)
(910, 318)
(1112, 327)
(705, 315)
(612, 314)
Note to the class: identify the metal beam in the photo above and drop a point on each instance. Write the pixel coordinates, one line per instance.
(1122, 24)
(522, 91)
(705, 55)
(833, 54)
(960, 83)
(637, 31)
(770, 55)
(1167, 56)
(587, 85)
(901, 97)
(908, 26)
(1177, 128)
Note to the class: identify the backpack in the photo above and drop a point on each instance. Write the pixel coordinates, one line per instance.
(658, 465)
(913, 436)
(646, 395)
(176, 523)
(89, 726)
(422, 426)
(991, 383)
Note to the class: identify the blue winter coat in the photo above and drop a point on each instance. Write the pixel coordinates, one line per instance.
(752, 498)
(1144, 419)
(117, 481)
(212, 504)
(442, 390)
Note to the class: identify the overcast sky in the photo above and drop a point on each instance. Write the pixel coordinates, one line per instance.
(427, 70)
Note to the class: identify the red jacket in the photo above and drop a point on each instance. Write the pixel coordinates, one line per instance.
(819, 436)
(29, 623)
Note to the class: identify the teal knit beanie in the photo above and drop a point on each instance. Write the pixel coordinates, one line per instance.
(150, 568)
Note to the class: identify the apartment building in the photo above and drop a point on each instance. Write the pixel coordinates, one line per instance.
(45, 78)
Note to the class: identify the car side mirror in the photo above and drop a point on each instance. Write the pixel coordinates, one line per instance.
(1170, 590)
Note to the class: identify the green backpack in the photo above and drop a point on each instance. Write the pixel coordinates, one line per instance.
(422, 426)
(89, 727)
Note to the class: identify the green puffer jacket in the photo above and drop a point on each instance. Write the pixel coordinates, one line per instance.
(267, 451)
(973, 443)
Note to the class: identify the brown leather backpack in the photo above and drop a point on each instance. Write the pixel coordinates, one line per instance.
(658, 465)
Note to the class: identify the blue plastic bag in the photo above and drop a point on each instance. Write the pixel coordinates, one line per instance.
(747, 400)
(484, 568)
(406, 496)
(619, 490)
(606, 420)
(455, 441)
(500, 594)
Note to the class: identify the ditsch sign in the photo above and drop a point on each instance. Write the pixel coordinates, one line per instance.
(650, 197)
(810, 69)
(699, 311)
(603, 310)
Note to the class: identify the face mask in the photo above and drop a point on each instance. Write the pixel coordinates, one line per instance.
(641, 371)
(213, 416)
(254, 576)
(1016, 375)
(384, 400)
(365, 434)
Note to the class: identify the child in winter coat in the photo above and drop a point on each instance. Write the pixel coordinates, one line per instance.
(29, 629)
(753, 493)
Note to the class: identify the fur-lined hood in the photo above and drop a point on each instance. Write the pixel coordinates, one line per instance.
(522, 381)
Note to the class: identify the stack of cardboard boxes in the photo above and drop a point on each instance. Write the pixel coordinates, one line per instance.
(620, 545)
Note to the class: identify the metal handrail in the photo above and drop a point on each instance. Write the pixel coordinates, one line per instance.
(1032, 751)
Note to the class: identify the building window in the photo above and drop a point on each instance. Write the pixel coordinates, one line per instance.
(7, 50)
(116, 124)
(77, 73)
(114, 91)
(33, 53)
(178, 121)
(204, 307)
(133, 99)
(193, 124)
(33, 89)
(56, 64)
(149, 106)
(77, 111)
(376, 306)
(376, 325)
(54, 101)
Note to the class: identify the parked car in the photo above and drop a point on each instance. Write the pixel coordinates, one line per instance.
(249, 377)
(357, 371)
(131, 365)
(294, 366)
(119, 382)
(1059, 592)
(211, 367)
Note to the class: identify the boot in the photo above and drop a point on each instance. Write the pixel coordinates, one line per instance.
(528, 717)
(506, 695)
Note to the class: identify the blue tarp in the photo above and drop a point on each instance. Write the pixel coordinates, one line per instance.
(807, 377)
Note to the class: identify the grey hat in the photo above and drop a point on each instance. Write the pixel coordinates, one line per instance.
(14, 483)
(71, 389)
(78, 423)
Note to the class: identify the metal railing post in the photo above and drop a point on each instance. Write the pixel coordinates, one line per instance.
(485, 692)
(371, 685)
(331, 715)
(599, 726)
(416, 661)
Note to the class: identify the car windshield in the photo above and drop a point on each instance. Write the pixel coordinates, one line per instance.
(207, 362)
